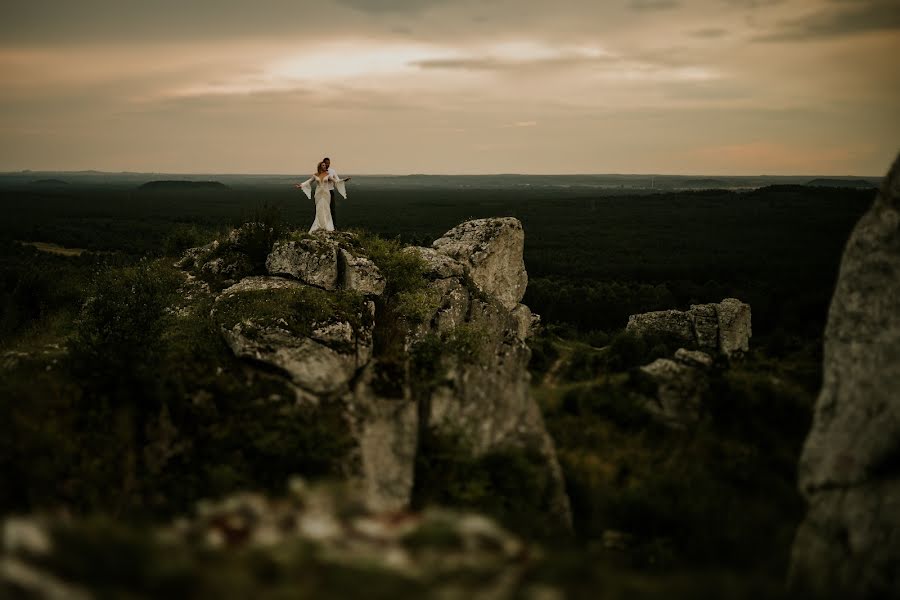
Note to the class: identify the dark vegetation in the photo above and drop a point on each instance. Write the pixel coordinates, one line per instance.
(179, 185)
(719, 498)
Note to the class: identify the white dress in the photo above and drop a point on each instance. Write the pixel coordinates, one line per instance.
(323, 199)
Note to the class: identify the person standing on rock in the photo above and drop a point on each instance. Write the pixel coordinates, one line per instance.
(323, 220)
(330, 186)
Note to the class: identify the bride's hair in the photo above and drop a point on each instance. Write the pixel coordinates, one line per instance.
(320, 168)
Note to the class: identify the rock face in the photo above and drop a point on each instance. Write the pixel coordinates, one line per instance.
(678, 386)
(492, 251)
(723, 327)
(313, 261)
(849, 470)
(459, 359)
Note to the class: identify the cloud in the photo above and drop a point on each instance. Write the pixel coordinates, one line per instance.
(709, 33)
(752, 4)
(390, 6)
(652, 5)
(839, 18)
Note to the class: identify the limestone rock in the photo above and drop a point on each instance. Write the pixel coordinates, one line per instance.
(438, 265)
(693, 358)
(723, 327)
(706, 326)
(488, 397)
(312, 260)
(360, 274)
(676, 324)
(388, 434)
(526, 321)
(679, 387)
(481, 391)
(322, 363)
(734, 326)
(491, 249)
(191, 256)
(849, 542)
(259, 282)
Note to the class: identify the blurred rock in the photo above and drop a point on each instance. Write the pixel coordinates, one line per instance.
(849, 471)
(679, 384)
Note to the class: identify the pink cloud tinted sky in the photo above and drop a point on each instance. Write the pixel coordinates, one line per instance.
(404, 86)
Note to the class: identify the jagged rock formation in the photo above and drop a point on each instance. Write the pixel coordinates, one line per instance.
(455, 363)
(849, 471)
(723, 327)
(678, 385)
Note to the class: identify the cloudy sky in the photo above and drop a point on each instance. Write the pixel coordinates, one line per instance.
(451, 86)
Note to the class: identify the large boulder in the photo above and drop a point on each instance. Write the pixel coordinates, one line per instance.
(360, 274)
(313, 260)
(849, 470)
(491, 249)
(675, 324)
(322, 359)
(720, 328)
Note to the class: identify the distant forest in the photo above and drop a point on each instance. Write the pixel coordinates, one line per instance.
(593, 255)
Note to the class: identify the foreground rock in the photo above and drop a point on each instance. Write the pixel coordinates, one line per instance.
(722, 328)
(452, 362)
(296, 538)
(849, 472)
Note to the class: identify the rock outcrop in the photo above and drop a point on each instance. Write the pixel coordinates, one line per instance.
(849, 472)
(491, 249)
(721, 328)
(453, 364)
(678, 385)
(313, 261)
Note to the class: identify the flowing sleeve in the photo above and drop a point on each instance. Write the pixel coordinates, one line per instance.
(306, 186)
(339, 185)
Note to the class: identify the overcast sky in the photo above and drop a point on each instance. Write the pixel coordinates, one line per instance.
(451, 86)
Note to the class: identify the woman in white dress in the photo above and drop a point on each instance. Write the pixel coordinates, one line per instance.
(323, 196)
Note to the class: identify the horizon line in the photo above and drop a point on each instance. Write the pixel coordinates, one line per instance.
(508, 174)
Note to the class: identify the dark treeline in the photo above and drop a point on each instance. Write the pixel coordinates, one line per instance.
(592, 259)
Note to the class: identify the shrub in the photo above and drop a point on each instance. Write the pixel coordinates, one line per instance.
(628, 350)
(117, 338)
(543, 354)
(513, 485)
(183, 236)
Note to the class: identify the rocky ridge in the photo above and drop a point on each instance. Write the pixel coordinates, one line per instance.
(452, 362)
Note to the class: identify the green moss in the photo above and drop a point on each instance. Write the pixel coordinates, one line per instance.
(431, 356)
(404, 272)
(513, 485)
(417, 306)
(296, 309)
